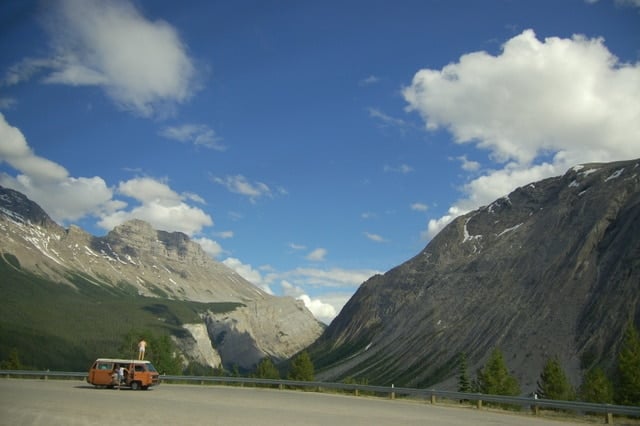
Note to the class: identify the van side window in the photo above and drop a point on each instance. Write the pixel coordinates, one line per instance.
(139, 368)
(104, 366)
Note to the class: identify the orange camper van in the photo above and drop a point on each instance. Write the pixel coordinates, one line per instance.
(137, 374)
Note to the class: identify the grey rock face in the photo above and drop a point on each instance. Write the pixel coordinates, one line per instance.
(156, 264)
(552, 269)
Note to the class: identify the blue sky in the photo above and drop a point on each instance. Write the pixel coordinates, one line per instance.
(307, 144)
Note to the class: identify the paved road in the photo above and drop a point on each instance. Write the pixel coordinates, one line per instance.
(55, 402)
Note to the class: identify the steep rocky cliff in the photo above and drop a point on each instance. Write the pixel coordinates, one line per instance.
(552, 269)
(152, 263)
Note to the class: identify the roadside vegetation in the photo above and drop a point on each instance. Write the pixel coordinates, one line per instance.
(622, 388)
(78, 325)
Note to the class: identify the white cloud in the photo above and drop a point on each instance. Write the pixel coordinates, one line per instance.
(239, 184)
(198, 134)
(569, 101)
(302, 281)
(298, 282)
(632, 3)
(322, 311)
(211, 247)
(468, 165)
(386, 119)
(374, 237)
(25, 70)
(317, 255)
(7, 103)
(224, 234)
(247, 272)
(296, 247)
(63, 197)
(143, 66)
(372, 79)
(330, 278)
(419, 207)
(160, 206)
(402, 168)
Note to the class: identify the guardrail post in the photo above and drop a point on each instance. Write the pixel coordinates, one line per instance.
(608, 418)
(356, 392)
(433, 398)
(479, 404)
(393, 394)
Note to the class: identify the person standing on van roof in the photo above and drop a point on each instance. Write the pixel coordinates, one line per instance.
(142, 345)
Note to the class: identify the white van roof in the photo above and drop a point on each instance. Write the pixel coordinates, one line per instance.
(123, 361)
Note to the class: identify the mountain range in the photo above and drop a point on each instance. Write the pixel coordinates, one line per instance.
(550, 270)
(138, 261)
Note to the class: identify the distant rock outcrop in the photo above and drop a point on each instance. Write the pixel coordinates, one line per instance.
(153, 263)
(552, 269)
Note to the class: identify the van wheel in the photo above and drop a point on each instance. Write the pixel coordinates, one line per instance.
(135, 385)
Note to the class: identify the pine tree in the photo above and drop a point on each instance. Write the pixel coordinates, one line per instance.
(163, 355)
(553, 382)
(302, 368)
(628, 371)
(266, 370)
(596, 387)
(495, 379)
(160, 350)
(464, 384)
(13, 362)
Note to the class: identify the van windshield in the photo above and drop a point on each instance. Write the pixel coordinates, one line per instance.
(151, 368)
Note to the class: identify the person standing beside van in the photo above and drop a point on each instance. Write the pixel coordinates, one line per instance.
(142, 345)
(121, 374)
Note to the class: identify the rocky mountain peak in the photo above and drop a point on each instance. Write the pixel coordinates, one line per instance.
(551, 269)
(154, 263)
(20, 208)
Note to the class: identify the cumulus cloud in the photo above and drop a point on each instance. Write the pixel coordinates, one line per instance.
(249, 273)
(142, 65)
(321, 310)
(211, 247)
(300, 283)
(239, 184)
(538, 108)
(159, 205)
(317, 255)
(64, 198)
(197, 134)
(468, 165)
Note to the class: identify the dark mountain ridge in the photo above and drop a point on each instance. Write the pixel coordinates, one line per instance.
(552, 269)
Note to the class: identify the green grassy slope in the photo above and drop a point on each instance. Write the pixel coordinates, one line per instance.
(54, 326)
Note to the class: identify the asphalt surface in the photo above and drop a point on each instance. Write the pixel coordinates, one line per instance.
(66, 402)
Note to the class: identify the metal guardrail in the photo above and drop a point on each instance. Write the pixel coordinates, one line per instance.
(430, 394)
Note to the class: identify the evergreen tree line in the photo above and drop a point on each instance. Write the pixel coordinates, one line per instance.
(494, 378)
(623, 389)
